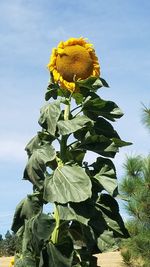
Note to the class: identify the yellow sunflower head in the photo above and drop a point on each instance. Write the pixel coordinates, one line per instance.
(73, 60)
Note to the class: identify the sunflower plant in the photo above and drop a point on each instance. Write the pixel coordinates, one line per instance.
(75, 121)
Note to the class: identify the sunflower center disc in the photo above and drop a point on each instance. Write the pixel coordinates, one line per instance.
(74, 63)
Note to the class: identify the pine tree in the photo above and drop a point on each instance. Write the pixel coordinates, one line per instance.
(136, 188)
(146, 116)
(7, 245)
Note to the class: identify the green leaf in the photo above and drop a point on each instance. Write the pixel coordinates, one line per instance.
(99, 144)
(106, 174)
(92, 83)
(78, 98)
(33, 144)
(85, 259)
(49, 116)
(26, 209)
(120, 143)
(36, 235)
(104, 83)
(99, 107)
(83, 237)
(103, 127)
(56, 258)
(44, 136)
(36, 166)
(29, 261)
(106, 241)
(110, 209)
(76, 155)
(97, 223)
(67, 183)
(67, 213)
(42, 227)
(51, 91)
(71, 126)
(27, 246)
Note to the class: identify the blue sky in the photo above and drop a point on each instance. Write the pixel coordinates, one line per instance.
(29, 30)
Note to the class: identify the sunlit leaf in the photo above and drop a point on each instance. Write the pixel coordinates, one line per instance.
(71, 126)
(49, 116)
(67, 183)
(36, 166)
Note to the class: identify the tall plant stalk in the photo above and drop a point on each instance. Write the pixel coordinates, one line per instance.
(86, 218)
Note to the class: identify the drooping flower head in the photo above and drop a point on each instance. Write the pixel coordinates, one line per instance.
(73, 60)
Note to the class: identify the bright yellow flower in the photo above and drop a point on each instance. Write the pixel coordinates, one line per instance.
(11, 262)
(73, 60)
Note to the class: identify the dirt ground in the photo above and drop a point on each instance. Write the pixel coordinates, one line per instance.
(109, 259)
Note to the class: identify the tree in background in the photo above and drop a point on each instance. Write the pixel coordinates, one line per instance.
(136, 188)
(146, 117)
(7, 245)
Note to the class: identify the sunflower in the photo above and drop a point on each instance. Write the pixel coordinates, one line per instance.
(11, 262)
(73, 60)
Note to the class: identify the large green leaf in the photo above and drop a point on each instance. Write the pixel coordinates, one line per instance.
(49, 116)
(67, 213)
(27, 245)
(33, 144)
(103, 127)
(67, 183)
(106, 241)
(110, 209)
(26, 209)
(83, 237)
(36, 166)
(107, 147)
(36, 235)
(56, 258)
(42, 227)
(105, 173)
(99, 107)
(76, 155)
(99, 144)
(71, 126)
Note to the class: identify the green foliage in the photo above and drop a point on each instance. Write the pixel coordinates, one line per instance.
(71, 183)
(7, 245)
(146, 116)
(86, 218)
(136, 185)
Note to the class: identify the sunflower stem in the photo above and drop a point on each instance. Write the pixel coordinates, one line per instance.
(54, 236)
(66, 112)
